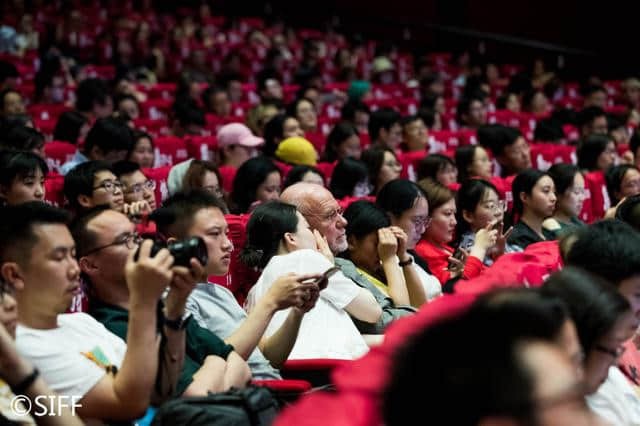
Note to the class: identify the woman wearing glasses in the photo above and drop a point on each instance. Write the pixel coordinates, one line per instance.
(479, 206)
(444, 262)
(604, 322)
(570, 193)
(379, 252)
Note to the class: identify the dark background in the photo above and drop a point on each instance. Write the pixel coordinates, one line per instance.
(593, 38)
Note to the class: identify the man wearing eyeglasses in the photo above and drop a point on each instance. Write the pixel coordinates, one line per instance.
(105, 239)
(323, 213)
(136, 186)
(74, 353)
(94, 183)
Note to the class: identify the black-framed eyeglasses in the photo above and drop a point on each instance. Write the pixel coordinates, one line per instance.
(131, 240)
(149, 185)
(215, 190)
(109, 186)
(616, 353)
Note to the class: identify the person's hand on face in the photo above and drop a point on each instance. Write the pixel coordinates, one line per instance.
(322, 245)
(403, 241)
(148, 277)
(387, 244)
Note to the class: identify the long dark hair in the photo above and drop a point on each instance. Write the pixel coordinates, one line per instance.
(524, 182)
(470, 194)
(398, 196)
(266, 228)
(340, 133)
(249, 176)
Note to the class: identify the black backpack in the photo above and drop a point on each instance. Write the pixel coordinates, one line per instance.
(251, 406)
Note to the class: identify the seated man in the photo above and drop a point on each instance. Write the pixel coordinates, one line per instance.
(200, 214)
(136, 187)
(323, 213)
(74, 353)
(105, 239)
(509, 147)
(108, 140)
(92, 184)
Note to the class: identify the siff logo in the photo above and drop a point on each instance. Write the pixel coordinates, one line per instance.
(44, 405)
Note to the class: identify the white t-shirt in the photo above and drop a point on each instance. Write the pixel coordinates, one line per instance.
(326, 331)
(431, 284)
(58, 353)
(616, 400)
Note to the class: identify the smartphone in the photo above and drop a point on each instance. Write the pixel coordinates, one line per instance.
(323, 280)
(458, 254)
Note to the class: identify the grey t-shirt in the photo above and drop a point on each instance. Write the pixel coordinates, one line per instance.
(216, 309)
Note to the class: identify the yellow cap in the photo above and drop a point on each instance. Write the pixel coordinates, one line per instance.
(297, 151)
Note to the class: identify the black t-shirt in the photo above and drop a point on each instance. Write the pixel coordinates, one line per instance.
(522, 235)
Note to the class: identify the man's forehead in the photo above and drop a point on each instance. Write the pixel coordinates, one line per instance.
(110, 222)
(133, 178)
(52, 235)
(208, 218)
(103, 175)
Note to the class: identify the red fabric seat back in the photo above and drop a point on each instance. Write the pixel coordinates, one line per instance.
(169, 150)
(160, 176)
(54, 189)
(327, 170)
(409, 162)
(47, 111)
(600, 201)
(201, 147)
(156, 109)
(153, 127)
(57, 153)
(240, 277)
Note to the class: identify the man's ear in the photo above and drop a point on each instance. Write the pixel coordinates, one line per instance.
(11, 273)
(96, 153)
(85, 201)
(87, 266)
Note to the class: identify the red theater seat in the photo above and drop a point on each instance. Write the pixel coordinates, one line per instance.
(57, 153)
(160, 176)
(169, 150)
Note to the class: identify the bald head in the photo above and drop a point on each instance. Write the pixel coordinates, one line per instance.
(321, 210)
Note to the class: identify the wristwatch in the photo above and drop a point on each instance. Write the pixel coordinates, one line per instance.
(406, 262)
(177, 324)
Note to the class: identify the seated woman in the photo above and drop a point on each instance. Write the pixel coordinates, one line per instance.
(304, 174)
(622, 181)
(406, 205)
(350, 178)
(472, 161)
(439, 168)
(257, 181)
(534, 200)
(570, 192)
(277, 129)
(22, 177)
(203, 175)
(434, 246)
(383, 166)
(280, 241)
(479, 206)
(142, 150)
(604, 322)
(379, 252)
(596, 153)
(342, 142)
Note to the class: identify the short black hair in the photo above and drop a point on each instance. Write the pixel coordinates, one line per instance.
(19, 164)
(609, 249)
(346, 175)
(431, 165)
(17, 228)
(79, 180)
(340, 133)
(588, 114)
(249, 176)
(296, 174)
(595, 305)
(90, 92)
(23, 138)
(7, 70)
(176, 215)
(364, 217)
(563, 175)
(349, 109)
(525, 316)
(265, 230)
(589, 149)
(629, 212)
(464, 107)
(109, 134)
(548, 130)
(464, 159)
(187, 114)
(497, 137)
(125, 167)
(613, 177)
(383, 118)
(85, 239)
(68, 126)
(398, 196)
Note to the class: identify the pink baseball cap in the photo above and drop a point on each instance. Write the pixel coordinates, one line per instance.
(237, 134)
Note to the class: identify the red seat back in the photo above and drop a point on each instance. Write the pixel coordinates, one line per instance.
(160, 176)
(169, 150)
(57, 153)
